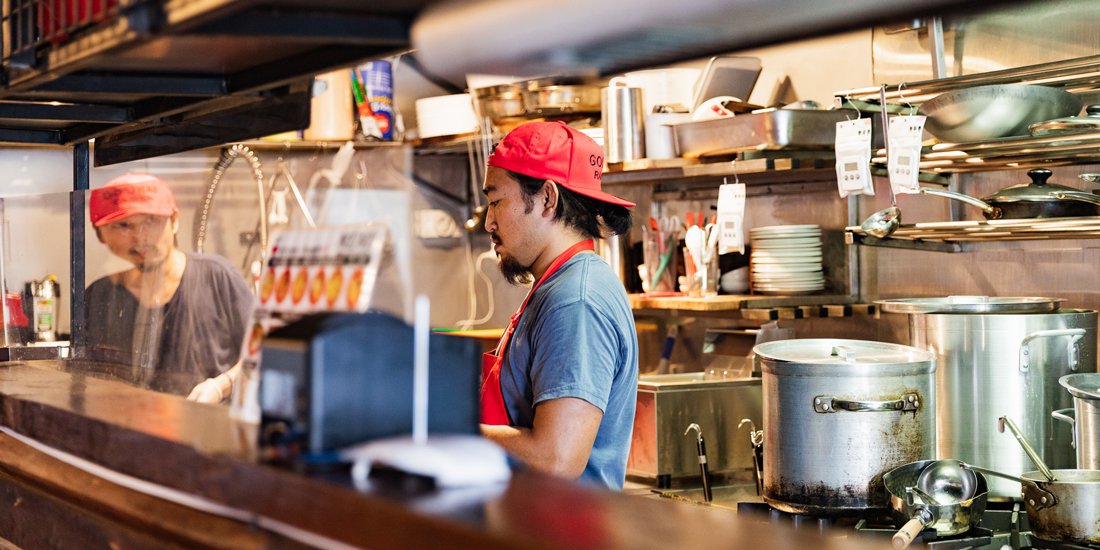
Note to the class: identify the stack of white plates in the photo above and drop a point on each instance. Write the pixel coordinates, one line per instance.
(786, 259)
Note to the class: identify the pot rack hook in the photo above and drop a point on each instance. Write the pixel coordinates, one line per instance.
(854, 105)
(901, 98)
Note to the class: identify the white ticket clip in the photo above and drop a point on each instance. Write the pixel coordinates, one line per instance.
(731, 216)
(903, 157)
(853, 157)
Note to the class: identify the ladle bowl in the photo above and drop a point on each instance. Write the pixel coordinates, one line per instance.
(947, 481)
(883, 223)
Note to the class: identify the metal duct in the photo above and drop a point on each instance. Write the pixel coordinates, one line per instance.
(538, 37)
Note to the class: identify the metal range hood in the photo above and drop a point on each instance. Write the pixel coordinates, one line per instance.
(541, 37)
(151, 77)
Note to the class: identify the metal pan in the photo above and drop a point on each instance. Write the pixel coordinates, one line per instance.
(946, 519)
(995, 111)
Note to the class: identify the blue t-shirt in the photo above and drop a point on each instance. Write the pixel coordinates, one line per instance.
(577, 339)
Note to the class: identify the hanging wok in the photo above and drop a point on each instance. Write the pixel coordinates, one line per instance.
(1037, 199)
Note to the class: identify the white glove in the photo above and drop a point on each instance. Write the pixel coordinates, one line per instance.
(212, 390)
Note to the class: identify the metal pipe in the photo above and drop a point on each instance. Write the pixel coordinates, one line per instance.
(935, 40)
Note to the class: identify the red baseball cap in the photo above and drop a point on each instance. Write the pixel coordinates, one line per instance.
(130, 194)
(554, 151)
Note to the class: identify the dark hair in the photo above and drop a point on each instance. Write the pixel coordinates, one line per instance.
(594, 218)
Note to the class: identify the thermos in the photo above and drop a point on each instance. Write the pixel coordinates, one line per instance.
(622, 114)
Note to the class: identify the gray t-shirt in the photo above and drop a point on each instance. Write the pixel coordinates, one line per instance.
(577, 339)
(194, 336)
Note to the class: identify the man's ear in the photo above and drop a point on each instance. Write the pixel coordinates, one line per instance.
(550, 189)
(99, 235)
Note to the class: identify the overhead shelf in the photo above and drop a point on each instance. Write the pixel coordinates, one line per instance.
(951, 236)
(751, 171)
(1007, 153)
(735, 302)
(150, 77)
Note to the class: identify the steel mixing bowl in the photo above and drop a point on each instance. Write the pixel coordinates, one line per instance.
(995, 111)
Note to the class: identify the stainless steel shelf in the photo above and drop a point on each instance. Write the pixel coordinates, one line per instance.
(1007, 153)
(749, 171)
(951, 236)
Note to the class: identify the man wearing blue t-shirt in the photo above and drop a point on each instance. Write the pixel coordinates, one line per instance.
(559, 391)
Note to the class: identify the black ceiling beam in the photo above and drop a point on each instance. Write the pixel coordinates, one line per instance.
(207, 128)
(161, 110)
(302, 65)
(16, 135)
(63, 112)
(123, 83)
(348, 28)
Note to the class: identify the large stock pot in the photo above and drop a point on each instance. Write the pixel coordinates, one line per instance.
(838, 415)
(1085, 419)
(1001, 356)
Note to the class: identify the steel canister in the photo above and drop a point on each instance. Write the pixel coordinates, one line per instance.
(1001, 356)
(623, 131)
(838, 415)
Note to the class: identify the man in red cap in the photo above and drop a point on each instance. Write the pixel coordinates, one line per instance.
(560, 390)
(180, 316)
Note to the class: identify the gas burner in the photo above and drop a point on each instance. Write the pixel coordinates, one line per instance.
(1003, 525)
(1049, 545)
(975, 538)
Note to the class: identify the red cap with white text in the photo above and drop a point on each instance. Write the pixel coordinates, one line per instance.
(554, 151)
(130, 194)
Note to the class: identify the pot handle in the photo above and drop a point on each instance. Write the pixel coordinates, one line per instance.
(1040, 498)
(985, 206)
(830, 404)
(1075, 334)
(1064, 416)
(1079, 196)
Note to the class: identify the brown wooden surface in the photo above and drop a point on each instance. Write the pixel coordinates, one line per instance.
(732, 302)
(200, 450)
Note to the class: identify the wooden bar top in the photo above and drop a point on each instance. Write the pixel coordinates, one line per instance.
(198, 449)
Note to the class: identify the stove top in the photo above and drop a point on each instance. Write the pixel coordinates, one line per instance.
(1003, 527)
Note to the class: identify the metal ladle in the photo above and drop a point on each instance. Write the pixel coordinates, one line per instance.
(883, 223)
(947, 481)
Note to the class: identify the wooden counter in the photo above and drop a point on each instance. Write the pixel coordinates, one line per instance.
(198, 449)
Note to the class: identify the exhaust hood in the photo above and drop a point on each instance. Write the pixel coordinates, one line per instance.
(578, 37)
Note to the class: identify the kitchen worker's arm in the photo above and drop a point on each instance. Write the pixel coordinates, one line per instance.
(560, 440)
(218, 388)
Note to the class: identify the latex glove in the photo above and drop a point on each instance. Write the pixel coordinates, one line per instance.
(211, 390)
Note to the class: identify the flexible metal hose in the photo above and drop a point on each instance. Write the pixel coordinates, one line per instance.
(228, 156)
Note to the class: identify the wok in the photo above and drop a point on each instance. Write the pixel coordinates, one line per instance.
(946, 518)
(1037, 199)
(995, 111)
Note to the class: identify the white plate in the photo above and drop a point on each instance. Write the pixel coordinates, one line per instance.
(789, 286)
(791, 260)
(805, 244)
(786, 229)
(786, 268)
(779, 253)
(781, 281)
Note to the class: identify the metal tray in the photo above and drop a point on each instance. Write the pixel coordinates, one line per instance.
(768, 130)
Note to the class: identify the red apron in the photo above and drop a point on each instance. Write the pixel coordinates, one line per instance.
(493, 410)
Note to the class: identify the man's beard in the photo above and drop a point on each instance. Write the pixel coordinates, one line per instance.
(514, 272)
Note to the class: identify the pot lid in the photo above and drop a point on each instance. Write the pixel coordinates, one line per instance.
(971, 304)
(1036, 190)
(1069, 125)
(1085, 385)
(832, 351)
